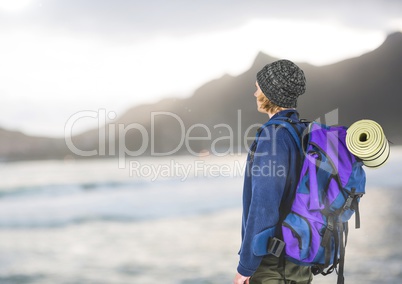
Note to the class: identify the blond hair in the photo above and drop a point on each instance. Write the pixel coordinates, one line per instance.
(267, 104)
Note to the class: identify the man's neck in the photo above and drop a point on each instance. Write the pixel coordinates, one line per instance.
(271, 114)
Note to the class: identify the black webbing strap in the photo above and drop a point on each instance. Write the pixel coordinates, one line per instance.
(339, 231)
(326, 239)
(337, 242)
(346, 229)
(355, 207)
(341, 278)
(352, 202)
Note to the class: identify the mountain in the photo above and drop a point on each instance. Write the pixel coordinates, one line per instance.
(15, 145)
(365, 87)
(368, 86)
(221, 112)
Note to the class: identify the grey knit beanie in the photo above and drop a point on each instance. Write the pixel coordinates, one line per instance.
(282, 82)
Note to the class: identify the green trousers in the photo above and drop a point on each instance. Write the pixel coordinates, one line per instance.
(268, 273)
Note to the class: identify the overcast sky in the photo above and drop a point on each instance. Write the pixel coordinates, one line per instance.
(59, 57)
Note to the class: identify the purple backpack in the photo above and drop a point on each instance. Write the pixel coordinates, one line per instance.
(314, 229)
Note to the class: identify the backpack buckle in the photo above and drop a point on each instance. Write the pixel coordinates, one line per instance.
(348, 203)
(275, 246)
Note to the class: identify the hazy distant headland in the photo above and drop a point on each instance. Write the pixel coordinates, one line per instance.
(222, 111)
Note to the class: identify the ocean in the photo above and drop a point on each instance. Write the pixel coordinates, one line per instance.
(172, 220)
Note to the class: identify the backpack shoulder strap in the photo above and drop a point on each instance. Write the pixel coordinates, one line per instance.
(285, 207)
(290, 125)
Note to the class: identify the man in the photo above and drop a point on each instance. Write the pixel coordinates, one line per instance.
(271, 174)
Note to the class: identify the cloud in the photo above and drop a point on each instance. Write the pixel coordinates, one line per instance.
(136, 20)
(90, 54)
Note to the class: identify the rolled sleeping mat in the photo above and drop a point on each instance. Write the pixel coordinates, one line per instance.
(366, 140)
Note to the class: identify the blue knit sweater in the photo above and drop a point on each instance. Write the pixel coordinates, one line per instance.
(269, 174)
